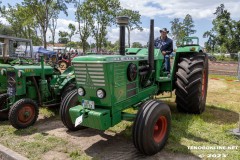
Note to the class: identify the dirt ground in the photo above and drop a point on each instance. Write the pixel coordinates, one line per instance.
(62, 144)
(98, 144)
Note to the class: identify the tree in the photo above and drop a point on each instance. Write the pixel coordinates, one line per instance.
(71, 45)
(52, 26)
(63, 37)
(43, 11)
(225, 32)
(180, 29)
(211, 42)
(6, 30)
(21, 23)
(137, 45)
(188, 25)
(103, 13)
(134, 21)
(177, 30)
(72, 29)
(84, 19)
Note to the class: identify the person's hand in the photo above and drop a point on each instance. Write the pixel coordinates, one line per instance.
(164, 53)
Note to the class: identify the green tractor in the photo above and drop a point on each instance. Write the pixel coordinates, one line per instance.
(108, 85)
(30, 85)
(12, 49)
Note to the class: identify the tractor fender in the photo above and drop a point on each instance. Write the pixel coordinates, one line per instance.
(67, 80)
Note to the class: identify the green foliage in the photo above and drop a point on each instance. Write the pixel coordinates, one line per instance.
(225, 34)
(188, 25)
(63, 37)
(137, 45)
(134, 21)
(103, 14)
(21, 23)
(43, 11)
(84, 19)
(6, 30)
(72, 29)
(180, 29)
(71, 45)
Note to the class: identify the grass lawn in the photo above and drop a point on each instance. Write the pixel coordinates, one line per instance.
(208, 129)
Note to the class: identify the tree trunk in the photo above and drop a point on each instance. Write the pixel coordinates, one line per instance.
(44, 40)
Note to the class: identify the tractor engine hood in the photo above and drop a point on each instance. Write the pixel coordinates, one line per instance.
(141, 55)
(33, 70)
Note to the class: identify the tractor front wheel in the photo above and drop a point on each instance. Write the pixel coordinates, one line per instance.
(70, 100)
(191, 83)
(69, 87)
(23, 113)
(3, 102)
(151, 127)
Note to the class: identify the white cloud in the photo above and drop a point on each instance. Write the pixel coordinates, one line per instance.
(3, 21)
(199, 9)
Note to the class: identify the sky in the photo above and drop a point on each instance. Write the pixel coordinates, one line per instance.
(162, 11)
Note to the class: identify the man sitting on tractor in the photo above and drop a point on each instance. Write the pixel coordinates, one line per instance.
(165, 44)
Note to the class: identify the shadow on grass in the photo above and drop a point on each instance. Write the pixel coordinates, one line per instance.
(214, 114)
(42, 125)
(120, 145)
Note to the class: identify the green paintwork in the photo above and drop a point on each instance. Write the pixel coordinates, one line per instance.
(97, 119)
(190, 44)
(109, 72)
(7, 56)
(50, 83)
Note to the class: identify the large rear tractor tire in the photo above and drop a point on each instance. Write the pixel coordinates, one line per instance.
(3, 102)
(70, 100)
(23, 113)
(151, 127)
(192, 83)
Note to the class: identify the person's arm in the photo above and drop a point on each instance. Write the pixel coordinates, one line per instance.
(156, 42)
(170, 48)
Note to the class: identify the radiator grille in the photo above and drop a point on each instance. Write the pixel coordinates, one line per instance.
(89, 74)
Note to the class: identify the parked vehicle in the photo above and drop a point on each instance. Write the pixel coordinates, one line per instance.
(107, 85)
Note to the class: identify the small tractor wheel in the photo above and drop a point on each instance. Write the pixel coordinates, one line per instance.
(23, 113)
(70, 100)
(3, 101)
(191, 84)
(63, 65)
(69, 87)
(151, 127)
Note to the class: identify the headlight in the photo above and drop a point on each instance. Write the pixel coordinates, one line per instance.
(3, 71)
(20, 73)
(81, 91)
(101, 93)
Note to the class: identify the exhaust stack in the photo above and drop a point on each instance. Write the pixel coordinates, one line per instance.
(151, 46)
(122, 22)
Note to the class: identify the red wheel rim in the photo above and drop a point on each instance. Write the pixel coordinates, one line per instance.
(204, 83)
(26, 114)
(160, 129)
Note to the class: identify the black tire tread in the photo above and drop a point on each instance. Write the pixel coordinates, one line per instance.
(148, 110)
(189, 79)
(64, 107)
(13, 113)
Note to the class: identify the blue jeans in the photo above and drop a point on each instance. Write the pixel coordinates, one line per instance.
(167, 63)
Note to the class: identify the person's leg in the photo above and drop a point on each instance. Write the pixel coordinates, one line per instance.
(167, 63)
